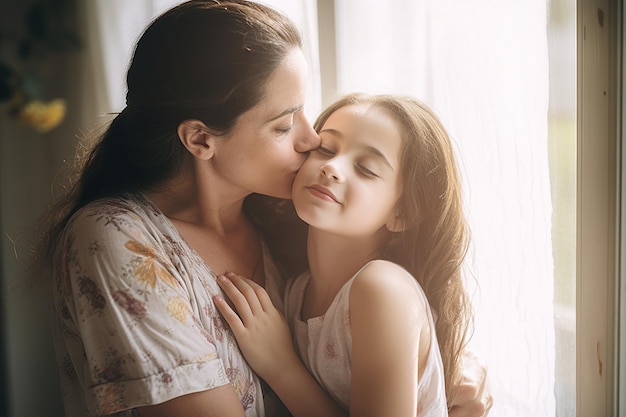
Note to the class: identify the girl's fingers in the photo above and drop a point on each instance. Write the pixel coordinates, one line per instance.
(229, 314)
(237, 298)
(260, 294)
(244, 293)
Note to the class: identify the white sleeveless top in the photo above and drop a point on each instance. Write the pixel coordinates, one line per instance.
(324, 344)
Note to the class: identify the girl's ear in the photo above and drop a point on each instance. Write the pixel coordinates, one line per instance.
(197, 138)
(396, 224)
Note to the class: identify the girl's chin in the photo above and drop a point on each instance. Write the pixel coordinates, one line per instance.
(284, 194)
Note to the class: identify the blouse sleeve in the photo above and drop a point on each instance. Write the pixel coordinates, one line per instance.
(128, 320)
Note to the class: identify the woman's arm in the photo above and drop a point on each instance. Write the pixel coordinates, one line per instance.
(218, 402)
(264, 339)
(472, 396)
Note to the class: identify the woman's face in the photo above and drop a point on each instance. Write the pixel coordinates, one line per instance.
(270, 142)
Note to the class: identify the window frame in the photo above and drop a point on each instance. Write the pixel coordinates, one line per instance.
(598, 200)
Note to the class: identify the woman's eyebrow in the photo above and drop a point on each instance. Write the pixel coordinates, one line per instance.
(288, 111)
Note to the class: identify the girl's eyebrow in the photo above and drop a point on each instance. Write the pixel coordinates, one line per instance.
(374, 152)
(288, 111)
(378, 155)
(334, 132)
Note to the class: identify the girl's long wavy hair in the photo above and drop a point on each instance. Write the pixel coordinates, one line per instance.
(203, 59)
(434, 245)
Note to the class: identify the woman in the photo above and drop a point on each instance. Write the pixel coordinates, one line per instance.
(214, 114)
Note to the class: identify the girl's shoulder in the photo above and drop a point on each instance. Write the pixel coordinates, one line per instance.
(383, 266)
(382, 273)
(386, 282)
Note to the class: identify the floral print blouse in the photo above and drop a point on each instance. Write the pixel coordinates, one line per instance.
(135, 319)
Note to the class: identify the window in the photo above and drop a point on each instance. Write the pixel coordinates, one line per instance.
(484, 68)
(562, 162)
(528, 90)
(599, 95)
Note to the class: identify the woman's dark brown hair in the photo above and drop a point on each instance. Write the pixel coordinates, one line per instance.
(204, 59)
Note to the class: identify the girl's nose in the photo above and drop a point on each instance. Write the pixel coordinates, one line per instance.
(331, 172)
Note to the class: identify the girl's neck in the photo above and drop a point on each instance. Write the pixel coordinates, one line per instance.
(333, 260)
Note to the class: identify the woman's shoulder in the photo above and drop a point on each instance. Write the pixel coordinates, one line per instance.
(124, 208)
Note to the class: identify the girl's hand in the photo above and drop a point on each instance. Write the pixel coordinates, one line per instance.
(260, 329)
(265, 341)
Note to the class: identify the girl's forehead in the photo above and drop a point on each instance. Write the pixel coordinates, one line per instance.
(362, 121)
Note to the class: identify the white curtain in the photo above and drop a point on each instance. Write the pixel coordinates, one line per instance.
(482, 65)
(112, 27)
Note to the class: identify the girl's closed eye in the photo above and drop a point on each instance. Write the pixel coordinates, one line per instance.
(366, 171)
(325, 151)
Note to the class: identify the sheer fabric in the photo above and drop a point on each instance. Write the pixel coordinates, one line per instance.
(482, 66)
(113, 27)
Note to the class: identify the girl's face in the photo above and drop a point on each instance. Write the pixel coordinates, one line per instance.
(351, 184)
(269, 143)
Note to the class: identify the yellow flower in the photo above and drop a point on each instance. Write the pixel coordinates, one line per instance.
(150, 269)
(179, 309)
(43, 116)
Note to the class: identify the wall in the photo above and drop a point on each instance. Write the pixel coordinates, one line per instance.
(29, 163)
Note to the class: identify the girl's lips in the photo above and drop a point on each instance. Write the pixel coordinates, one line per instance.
(322, 192)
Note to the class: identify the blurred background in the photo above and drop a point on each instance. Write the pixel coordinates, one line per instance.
(39, 54)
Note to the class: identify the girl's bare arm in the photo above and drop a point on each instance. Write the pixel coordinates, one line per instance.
(387, 321)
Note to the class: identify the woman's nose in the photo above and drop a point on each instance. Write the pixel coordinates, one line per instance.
(308, 139)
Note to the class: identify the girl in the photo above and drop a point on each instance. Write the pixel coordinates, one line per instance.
(386, 242)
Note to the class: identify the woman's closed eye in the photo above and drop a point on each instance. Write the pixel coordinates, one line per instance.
(283, 130)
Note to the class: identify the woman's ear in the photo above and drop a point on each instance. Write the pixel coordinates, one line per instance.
(197, 138)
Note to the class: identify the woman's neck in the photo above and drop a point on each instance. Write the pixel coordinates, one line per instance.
(209, 216)
(200, 200)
